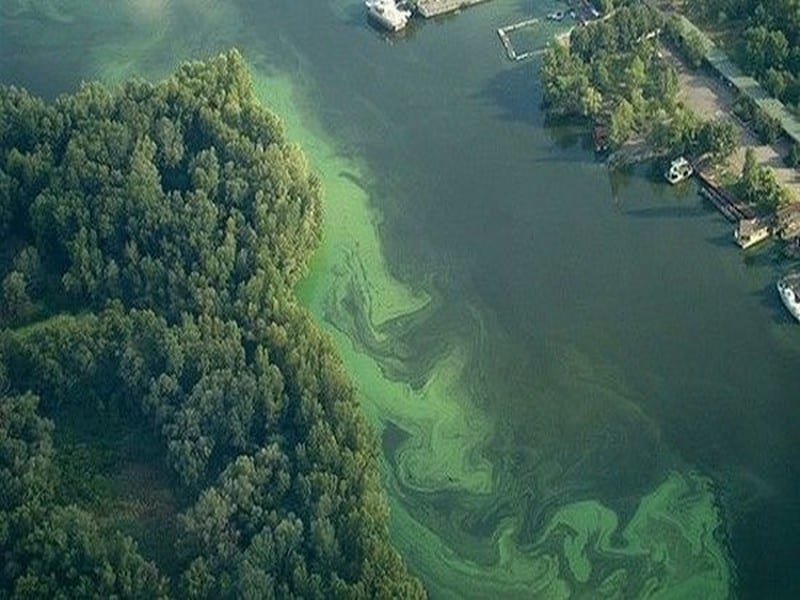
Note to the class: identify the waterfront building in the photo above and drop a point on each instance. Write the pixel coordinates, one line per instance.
(750, 232)
(788, 219)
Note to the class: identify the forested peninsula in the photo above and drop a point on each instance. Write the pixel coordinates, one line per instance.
(172, 423)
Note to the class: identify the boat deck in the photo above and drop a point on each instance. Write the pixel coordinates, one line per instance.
(789, 290)
(792, 281)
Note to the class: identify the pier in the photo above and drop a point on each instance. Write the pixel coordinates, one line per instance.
(731, 208)
(433, 8)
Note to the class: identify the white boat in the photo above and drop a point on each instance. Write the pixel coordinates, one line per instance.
(789, 290)
(679, 169)
(387, 14)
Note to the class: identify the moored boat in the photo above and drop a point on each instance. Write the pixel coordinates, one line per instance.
(789, 290)
(387, 14)
(679, 169)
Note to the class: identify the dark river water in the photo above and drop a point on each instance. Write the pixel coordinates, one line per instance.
(582, 387)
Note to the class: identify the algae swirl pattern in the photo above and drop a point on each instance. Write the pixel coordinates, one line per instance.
(486, 499)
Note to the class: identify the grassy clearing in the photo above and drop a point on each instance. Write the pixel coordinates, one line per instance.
(112, 466)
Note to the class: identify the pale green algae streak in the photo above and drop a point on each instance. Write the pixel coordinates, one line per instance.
(429, 399)
(670, 547)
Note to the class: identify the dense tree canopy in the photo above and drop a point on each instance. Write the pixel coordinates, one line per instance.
(613, 72)
(758, 185)
(151, 238)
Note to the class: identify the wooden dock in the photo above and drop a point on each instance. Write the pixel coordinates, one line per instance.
(731, 208)
(434, 8)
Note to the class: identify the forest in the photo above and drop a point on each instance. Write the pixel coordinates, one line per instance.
(612, 72)
(172, 422)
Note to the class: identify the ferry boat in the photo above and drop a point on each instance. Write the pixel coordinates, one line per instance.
(789, 290)
(387, 14)
(679, 169)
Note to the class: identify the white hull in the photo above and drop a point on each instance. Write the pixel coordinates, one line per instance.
(789, 290)
(386, 14)
(679, 169)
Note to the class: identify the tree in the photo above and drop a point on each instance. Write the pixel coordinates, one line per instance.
(718, 138)
(693, 47)
(26, 454)
(592, 101)
(623, 120)
(764, 49)
(7, 202)
(172, 222)
(611, 71)
(775, 81)
(767, 127)
(793, 158)
(17, 305)
(758, 185)
(749, 166)
(565, 79)
(635, 74)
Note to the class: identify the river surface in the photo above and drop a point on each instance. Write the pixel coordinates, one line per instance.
(580, 385)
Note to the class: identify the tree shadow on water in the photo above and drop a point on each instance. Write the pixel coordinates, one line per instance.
(666, 212)
(725, 240)
(514, 92)
(768, 298)
(516, 96)
(571, 132)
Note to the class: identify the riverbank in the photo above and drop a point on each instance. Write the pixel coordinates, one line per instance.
(607, 72)
(565, 340)
(709, 98)
(716, 84)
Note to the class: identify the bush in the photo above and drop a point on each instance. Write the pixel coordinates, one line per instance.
(793, 158)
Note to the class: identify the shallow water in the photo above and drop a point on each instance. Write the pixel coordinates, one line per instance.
(581, 385)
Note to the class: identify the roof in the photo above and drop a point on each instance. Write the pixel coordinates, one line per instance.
(679, 162)
(748, 227)
(789, 211)
(789, 220)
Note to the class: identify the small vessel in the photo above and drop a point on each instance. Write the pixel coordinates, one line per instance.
(789, 290)
(750, 232)
(679, 169)
(600, 138)
(387, 14)
(557, 15)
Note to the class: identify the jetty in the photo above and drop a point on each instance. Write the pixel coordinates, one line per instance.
(434, 8)
(731, 208)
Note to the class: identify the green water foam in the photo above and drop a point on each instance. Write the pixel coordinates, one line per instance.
(460, 507)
